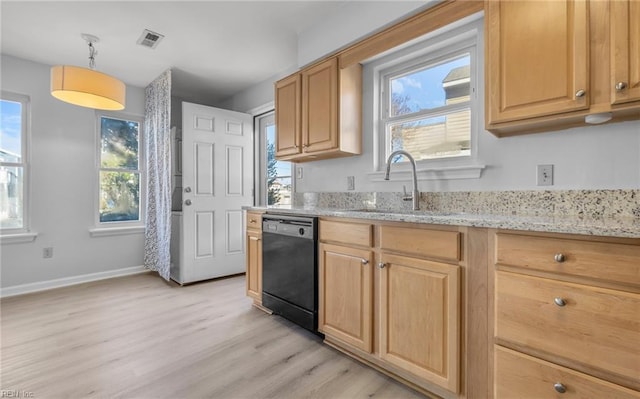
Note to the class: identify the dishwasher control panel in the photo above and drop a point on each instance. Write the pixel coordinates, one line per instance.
(289, 226)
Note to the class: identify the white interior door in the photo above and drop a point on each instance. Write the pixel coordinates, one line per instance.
(217, 180)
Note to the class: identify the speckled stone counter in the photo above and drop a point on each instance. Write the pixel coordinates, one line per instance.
(613, 213)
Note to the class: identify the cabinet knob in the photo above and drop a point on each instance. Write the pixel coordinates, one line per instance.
(381, 265)
(364, 262)
(559, 258)
(580, 93)
(559, 387)
(252, 221)
(560, 302)
(621, 86)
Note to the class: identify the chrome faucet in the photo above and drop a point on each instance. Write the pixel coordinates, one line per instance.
(415, 197)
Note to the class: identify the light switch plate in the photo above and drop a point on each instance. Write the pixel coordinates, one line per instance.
(299, 172)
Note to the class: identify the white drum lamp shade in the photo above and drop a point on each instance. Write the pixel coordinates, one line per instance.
(87, 88)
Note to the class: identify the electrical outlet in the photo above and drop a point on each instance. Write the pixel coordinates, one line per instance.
(545, 175)
(351, 183)
(47, 252)
(299, 172)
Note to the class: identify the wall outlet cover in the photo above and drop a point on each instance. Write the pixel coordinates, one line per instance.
(545, 175)
(351, 183)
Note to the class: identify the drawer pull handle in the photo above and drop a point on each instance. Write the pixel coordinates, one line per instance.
(559, 258)
(560, 302)
(559, 387)
(364, 262)
(252, 221)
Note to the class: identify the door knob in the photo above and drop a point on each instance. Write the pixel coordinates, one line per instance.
(187, 202)
(187, 189)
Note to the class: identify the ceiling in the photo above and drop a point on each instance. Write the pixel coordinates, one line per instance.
(214, 48)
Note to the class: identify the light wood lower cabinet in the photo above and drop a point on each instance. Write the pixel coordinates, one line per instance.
(389, 297)
(566, 314)
(526, 377)
(346, 294)
(253, 253)
(420, 318)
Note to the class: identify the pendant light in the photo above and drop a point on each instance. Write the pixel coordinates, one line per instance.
(87, 87)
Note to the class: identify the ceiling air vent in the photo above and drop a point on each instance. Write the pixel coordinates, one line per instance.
(149, 39)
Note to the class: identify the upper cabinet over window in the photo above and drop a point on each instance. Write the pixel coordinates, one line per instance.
(549, 64)
(319, 112)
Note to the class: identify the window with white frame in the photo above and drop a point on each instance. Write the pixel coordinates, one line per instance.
(427, 99)
(276, 182)
(120, 193)
(427, 108)
(14, 116)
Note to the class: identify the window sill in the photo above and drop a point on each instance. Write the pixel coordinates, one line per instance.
(115, 231)
(443, 173)
(18, 238)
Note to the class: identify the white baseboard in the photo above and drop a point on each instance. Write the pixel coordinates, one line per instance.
(63, 282)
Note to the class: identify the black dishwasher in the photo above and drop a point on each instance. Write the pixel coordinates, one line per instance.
(290, 268)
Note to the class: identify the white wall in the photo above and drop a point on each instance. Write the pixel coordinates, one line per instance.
(593, 157)
(63, 178)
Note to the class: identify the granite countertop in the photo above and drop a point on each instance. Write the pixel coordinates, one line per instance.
(595, 226)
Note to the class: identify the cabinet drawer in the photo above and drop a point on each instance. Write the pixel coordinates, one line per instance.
(596, 327)
(254, 220)
(421, 242)
(346, 233)
(525, 377)
(604, 261)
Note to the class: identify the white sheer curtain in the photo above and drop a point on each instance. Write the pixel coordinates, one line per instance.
(157, 139)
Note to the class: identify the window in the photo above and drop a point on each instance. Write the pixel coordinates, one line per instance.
(425, 101)
(276, 183)
(428, 109)
(13, 162)
(120, 176)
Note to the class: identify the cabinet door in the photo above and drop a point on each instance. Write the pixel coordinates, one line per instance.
(254, 265)
(288, 110)
(419, 320)
(625, 51)
(320, 107)
(536, 58)
(345, 295)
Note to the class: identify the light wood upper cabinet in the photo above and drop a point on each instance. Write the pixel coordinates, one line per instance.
(346, 295)
(552, 64)
(625, 51)
(420, 313)
(324, 119)
(287, 99)
(536, 60)
(320, 107)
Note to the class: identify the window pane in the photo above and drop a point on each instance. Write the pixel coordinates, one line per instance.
(11, 200)
(430, 87)
(439, 137)
(119, 143)
(279, 191)
(119, 196)
(278, 173)
(11, 131)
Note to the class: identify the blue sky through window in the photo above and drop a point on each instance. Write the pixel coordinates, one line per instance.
(424, 87)
(11, 129)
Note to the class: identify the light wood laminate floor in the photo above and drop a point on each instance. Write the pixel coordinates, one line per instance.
(140, 337)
